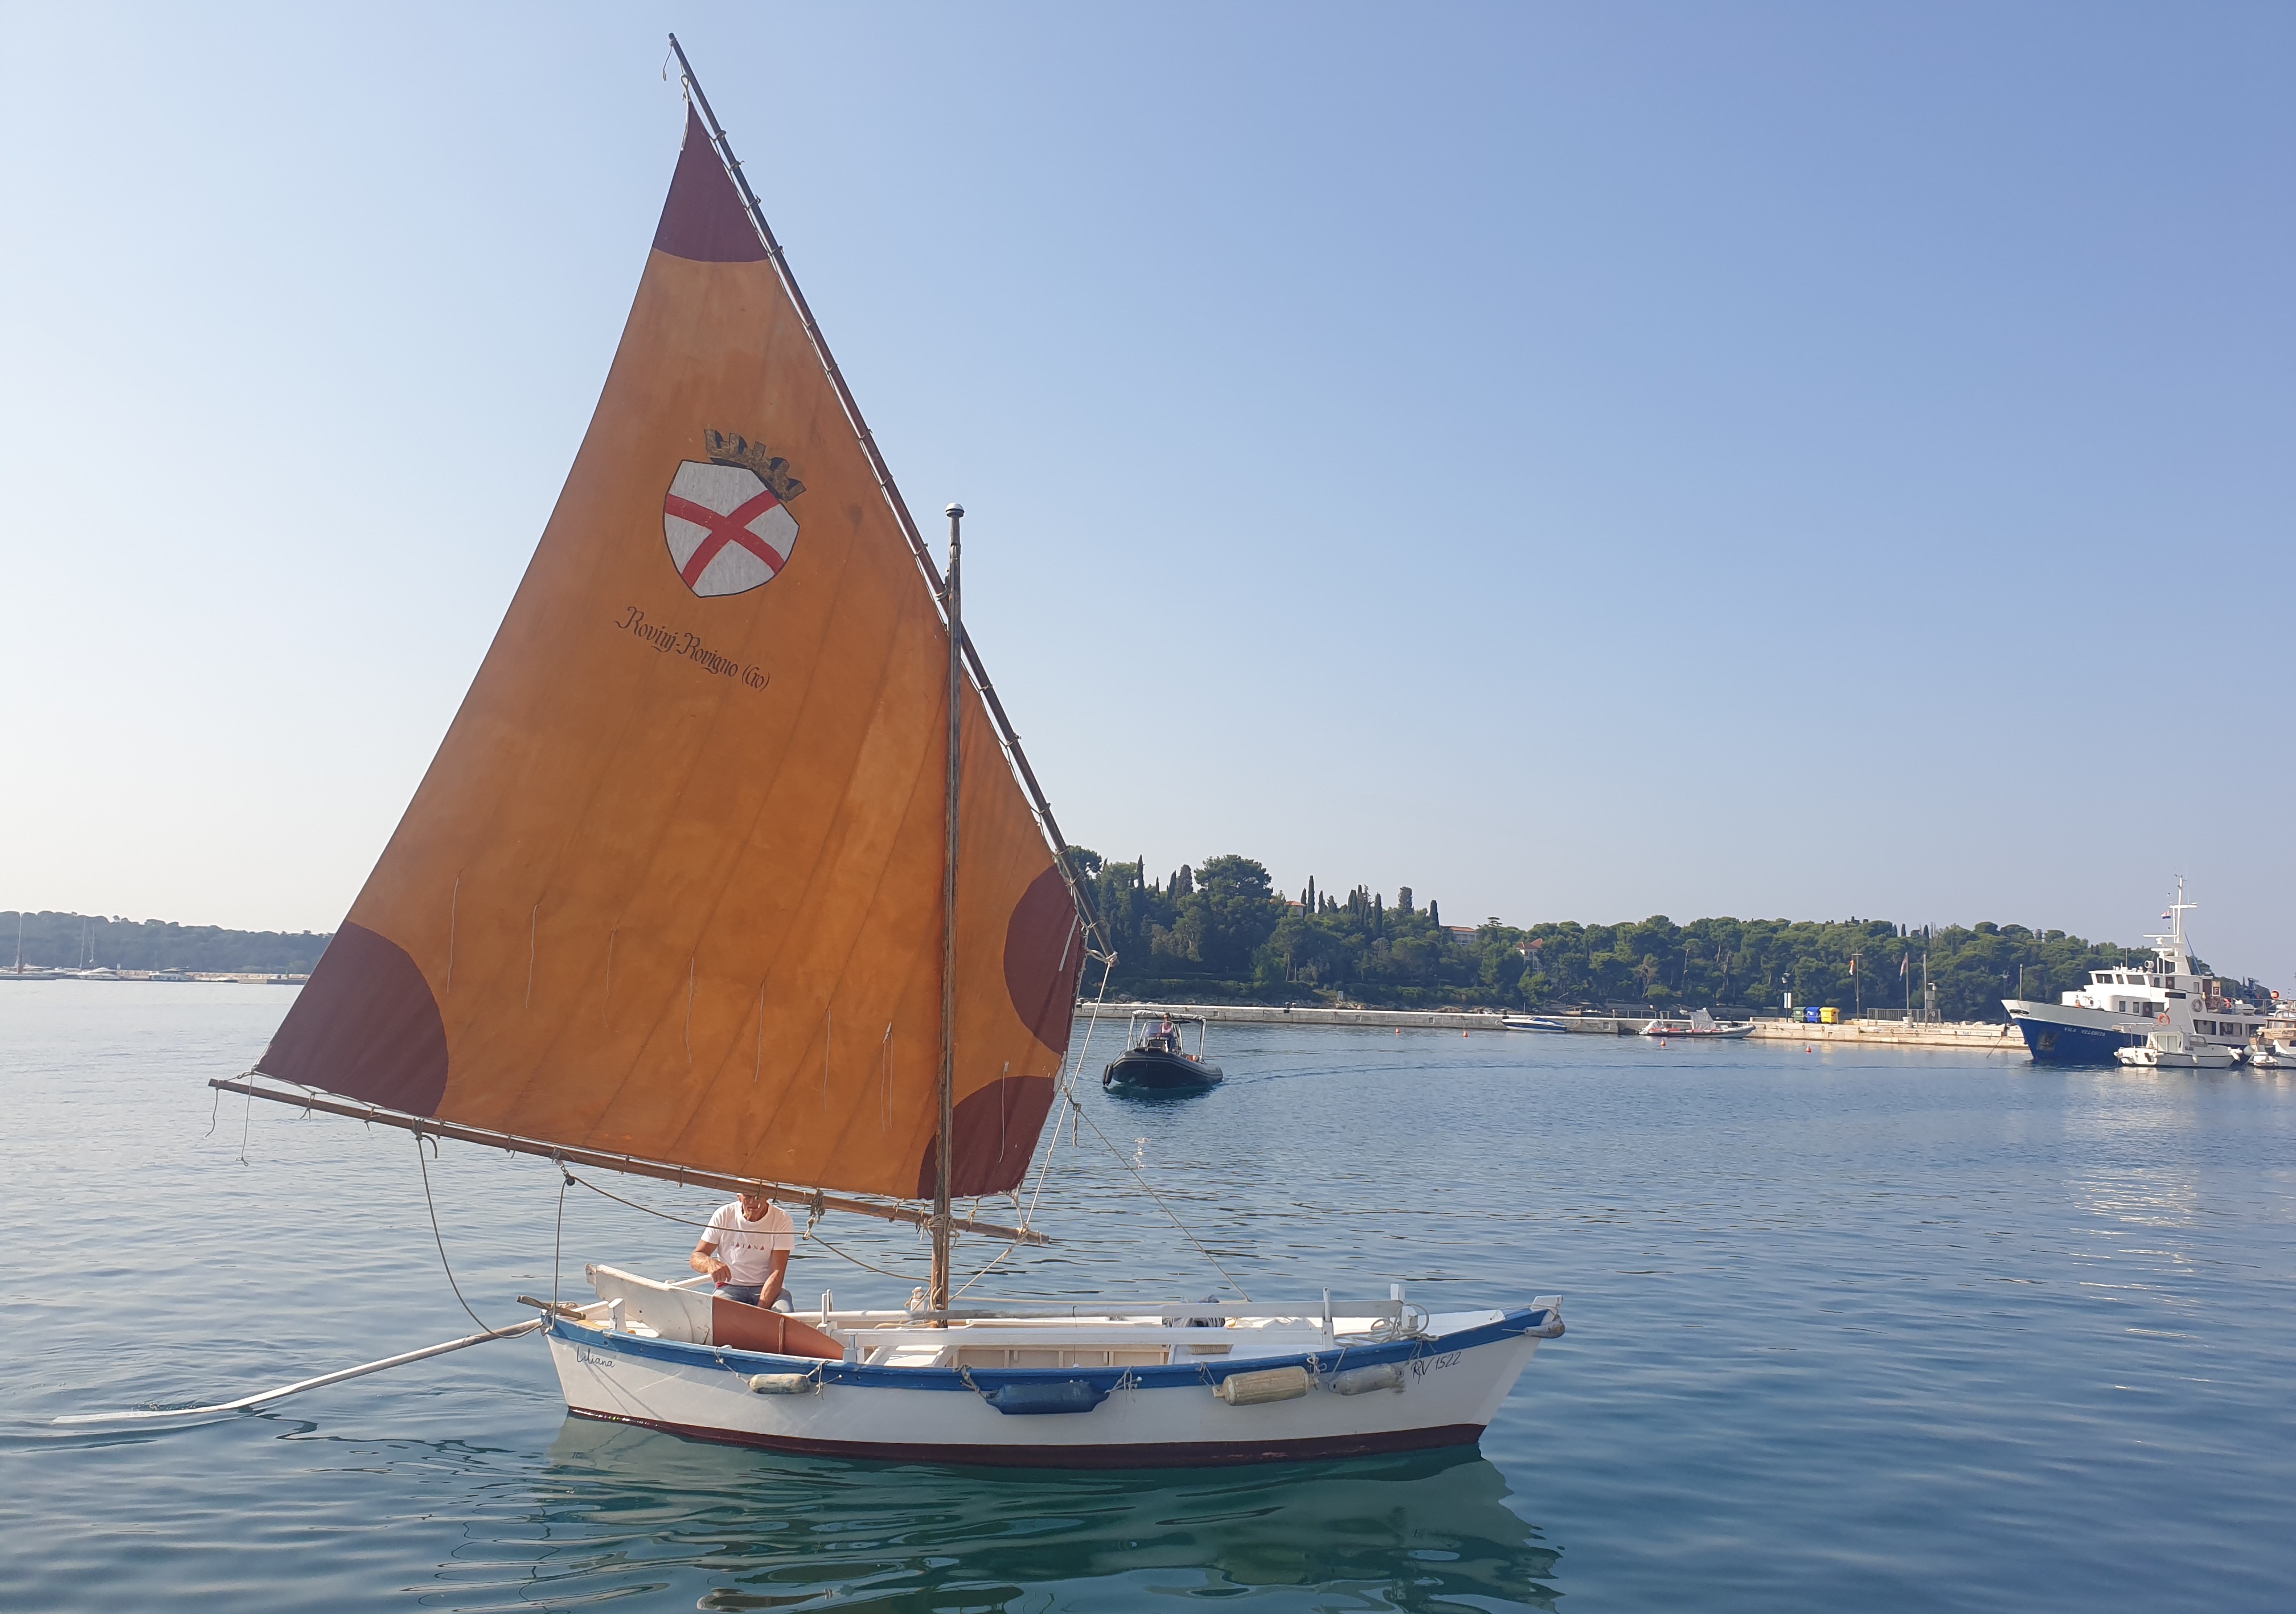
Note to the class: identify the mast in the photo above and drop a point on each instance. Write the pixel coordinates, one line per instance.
(1005, 734)
(954, 599)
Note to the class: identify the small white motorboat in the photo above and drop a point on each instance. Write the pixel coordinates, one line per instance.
(1702, 1026)
(1534, 1022)
(2174, 1051)
(2272, 1056)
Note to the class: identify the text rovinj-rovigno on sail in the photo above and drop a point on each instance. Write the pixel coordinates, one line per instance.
(671, 888)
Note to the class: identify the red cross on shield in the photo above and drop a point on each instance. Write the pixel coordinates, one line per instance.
(727, 531)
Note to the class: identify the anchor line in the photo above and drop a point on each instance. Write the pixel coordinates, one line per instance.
(432, 1206)
(558, 1239)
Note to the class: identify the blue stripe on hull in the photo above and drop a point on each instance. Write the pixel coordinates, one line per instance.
(2054, 1044)
(1511, 1325)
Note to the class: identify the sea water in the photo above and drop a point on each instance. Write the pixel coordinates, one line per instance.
(1848, 1329)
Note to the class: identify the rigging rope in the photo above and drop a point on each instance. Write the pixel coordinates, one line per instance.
(1068, 1088)
(558, 1241)
(906, 1277)
(432, 1206)
(1152, 1194)
(1068, 1093)
(809, 1234)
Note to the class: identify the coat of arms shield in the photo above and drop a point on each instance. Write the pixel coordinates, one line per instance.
(728, 531)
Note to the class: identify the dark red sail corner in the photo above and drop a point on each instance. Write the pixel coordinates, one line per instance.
(364, 1026)
(1044, 954)
(996, 1135)
(703, 219)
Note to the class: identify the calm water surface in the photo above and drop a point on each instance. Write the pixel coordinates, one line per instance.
(1860, 1329)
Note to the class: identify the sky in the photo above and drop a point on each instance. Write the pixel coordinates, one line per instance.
(1577, 461)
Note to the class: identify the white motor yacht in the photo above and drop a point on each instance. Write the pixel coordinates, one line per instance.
(2121, 1006)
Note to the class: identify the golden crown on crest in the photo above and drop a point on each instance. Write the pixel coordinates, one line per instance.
(726, 448)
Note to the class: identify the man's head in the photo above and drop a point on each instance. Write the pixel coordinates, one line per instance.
(754, 1206)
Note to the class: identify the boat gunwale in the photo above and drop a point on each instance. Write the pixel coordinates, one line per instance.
(1205, 1372)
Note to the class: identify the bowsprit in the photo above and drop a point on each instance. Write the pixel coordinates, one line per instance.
(728, 532)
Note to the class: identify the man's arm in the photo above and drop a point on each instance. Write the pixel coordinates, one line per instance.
(704, 1259)
(780, 1270)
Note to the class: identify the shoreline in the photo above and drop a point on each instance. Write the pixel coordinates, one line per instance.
(1981, 1037)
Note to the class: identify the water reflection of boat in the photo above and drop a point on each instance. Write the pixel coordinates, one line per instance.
(1420, 1530)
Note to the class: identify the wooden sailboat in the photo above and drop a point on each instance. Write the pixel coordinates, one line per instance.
(730, 871)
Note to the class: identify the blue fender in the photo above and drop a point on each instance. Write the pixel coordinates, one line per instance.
(1065, 1395)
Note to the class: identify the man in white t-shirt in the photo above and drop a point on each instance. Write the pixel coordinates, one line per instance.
(746, 1249)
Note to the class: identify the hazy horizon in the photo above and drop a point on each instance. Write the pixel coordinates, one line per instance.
(1772, 460)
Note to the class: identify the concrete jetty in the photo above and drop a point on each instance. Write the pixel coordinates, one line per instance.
(1279, 1014)
(1976, 1037)
(1980, 1036)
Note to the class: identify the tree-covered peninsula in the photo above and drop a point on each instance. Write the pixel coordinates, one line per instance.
(81, 941)
(1220, 931)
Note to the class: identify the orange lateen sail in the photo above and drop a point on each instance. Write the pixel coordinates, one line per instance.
(672, 885)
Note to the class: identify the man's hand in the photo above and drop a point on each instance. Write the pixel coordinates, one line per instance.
(772, 1289)
(721, 1274)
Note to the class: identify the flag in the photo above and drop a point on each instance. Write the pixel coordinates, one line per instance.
(1903, 960)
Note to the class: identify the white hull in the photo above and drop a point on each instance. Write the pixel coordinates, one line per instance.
(1447, 1384)
(2193, 1059)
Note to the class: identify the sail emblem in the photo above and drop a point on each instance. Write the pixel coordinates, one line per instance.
(727, 522)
